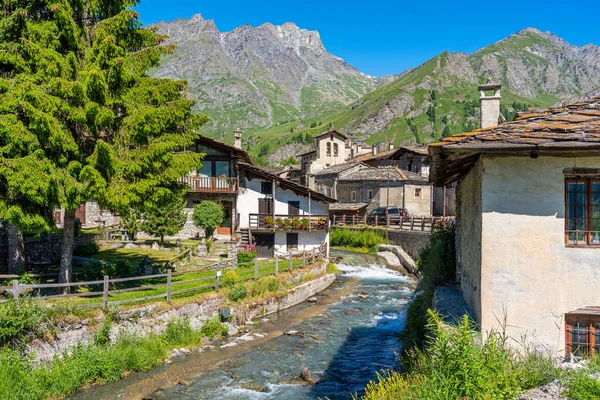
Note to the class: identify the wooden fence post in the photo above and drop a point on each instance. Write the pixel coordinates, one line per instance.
(169, 272)
(105, 294)
(304, 258)
(291, 262)
(217, 281)
(15, 289)
(276, 265)
(353, 219)
(256, 268)
(376, 220)
(313, 255)
(412, 223)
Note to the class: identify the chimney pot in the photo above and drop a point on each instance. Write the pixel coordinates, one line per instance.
(237, 142)
(390, 146)
(490, 105)
(374, 149)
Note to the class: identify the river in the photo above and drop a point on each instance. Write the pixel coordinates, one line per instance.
(345, 338)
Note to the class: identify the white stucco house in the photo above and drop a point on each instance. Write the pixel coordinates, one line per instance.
(279, 215)
(528, 223)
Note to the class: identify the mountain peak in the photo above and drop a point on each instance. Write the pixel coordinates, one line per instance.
(525, 31)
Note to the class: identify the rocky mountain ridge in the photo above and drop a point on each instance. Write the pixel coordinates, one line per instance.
(254, 78)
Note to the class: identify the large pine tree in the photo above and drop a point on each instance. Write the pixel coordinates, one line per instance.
(79, 116)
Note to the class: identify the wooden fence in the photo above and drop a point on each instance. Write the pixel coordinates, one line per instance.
(411, 223)
(111, 286)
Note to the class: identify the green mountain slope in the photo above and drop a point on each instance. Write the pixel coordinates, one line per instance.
(440, 97)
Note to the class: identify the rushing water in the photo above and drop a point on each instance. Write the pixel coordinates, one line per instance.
(344, 345)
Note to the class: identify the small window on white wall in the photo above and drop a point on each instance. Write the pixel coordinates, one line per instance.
(369, 194)
(335, 149)
(328, 148)
(353, 196)
(418, 192)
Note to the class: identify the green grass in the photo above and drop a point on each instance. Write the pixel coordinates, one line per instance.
(85, 365)
(356, 238)
(133, 255)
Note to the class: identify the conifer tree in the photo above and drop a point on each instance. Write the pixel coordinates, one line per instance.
(81, 119)
(164, 219)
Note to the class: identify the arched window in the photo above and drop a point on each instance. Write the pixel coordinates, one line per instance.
(335, 149)
(328, 148)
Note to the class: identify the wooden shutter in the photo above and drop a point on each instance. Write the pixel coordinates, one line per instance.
(293, 207)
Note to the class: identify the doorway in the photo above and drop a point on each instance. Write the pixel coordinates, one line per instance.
(265, 244)
(225, 227)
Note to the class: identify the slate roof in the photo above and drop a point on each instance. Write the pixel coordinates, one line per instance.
(572, 130)
(333, 132)
(370, 156)
(347, 206)
(575, 125)
(336, 169)
(381, 174)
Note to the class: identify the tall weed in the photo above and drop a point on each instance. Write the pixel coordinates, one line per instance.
(365, 238)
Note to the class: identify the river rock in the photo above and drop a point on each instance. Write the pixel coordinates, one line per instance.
(308, 376)
(225, 314)
(312, 299)
(155, 246)
(232, 330)
(130, 246)
(291, 333)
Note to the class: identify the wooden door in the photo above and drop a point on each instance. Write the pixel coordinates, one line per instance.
(265, 244)
(80, 213)
(225, 227)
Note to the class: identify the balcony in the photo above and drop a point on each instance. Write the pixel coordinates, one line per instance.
(211, 185)
(287, 222)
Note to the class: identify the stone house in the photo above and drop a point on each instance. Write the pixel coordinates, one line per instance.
(528, 232)
(326, 179)
(279, 215)
(331, 150)
(386, 186)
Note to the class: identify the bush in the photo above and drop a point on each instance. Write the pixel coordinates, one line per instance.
(208, 215)
(21, 321)
(87, 247)
(581, 386)
(230, 278)
(212, 328)
(247, 253)
(264, 285)
(437, 261)
(364, 238)
(179, 332)
(238, 293)
(332, 268)
(120, 269)
(460, 363)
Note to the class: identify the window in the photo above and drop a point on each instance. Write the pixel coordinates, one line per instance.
(418, 192)
(369, 195)
(328, 148)
(353, 196)
(266, 187)
(292, 241)
(582, 333)
(335, 149)
(329, 192)
(582, 211)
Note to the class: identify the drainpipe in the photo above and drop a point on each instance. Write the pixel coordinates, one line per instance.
(309, 213)
(273, 194)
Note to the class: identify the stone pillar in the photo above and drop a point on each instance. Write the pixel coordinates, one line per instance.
(231, 247)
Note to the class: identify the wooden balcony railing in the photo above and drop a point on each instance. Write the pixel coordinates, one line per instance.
(211, 185)
(411, 223)
(289, 222)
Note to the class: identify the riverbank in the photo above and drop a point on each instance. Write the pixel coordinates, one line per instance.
(344, 336)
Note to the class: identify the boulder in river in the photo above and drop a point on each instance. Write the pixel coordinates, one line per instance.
(312, 299)
(224, 314)
(308, 376)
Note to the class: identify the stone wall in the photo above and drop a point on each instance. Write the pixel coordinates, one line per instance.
(411, 241)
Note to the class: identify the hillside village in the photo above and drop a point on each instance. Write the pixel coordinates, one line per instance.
(425, 235)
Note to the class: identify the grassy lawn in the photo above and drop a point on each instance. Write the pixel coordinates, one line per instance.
(133, 255)
(181, 282)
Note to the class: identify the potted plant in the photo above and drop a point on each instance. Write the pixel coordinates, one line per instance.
(279, 222)
(305, 223)
(287, 223)
(269, 221)
(297, 223)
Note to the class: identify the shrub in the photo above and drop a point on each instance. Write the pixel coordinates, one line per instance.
(87, 247)
(247, 253)
(165, 218)
(581, 386)
(213, 327)
(102, 337)
(264, 285)
(22, 320)
(179, 332)
(332, 268)
(230, 278)
(365, 238)
(437, 260)
(208, 215)
(119, 269)
(238, 293)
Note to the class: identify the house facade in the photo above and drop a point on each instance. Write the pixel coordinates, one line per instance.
(278, 215)
(330, 150)
(386, 186)
(528, 237)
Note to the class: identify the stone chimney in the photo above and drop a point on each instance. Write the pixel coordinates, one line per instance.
(390, 146)
(490, 105)
(237, 142)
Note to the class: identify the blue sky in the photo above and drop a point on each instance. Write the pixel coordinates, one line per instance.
(388, 37)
